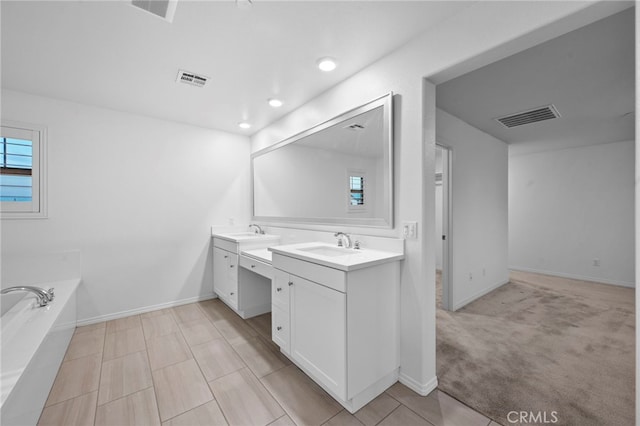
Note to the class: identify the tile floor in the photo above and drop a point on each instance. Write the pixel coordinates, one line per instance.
(201, 364)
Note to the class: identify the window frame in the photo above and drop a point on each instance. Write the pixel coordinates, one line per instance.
(37, 208)
(357, 208)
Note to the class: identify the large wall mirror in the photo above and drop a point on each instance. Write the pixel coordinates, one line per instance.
(338, 172)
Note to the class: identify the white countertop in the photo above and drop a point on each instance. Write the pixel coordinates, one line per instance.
(337, 257)
(263, 255)
(241, 237)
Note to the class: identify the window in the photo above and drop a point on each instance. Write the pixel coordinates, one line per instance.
(22, 170)
(356, 181)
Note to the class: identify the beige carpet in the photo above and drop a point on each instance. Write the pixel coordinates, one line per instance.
(539, 344)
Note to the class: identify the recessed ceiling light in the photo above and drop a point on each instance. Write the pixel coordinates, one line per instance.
(244, 125)
(327, 64)
(275, 102)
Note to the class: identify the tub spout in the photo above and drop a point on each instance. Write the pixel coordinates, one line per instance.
(44, 296)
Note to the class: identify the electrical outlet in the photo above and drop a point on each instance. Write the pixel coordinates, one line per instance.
(596, 262)
(410, 230)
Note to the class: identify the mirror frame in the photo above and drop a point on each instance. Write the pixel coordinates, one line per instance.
(386, 221)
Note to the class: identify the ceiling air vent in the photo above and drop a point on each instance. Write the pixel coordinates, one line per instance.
(355, 127)
(191, 78)
(164, 9)
(531, 116)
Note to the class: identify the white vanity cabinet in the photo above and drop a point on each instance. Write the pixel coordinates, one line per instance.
(247, 293)
(339, 327)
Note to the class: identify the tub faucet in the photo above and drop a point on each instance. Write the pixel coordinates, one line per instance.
(344, 240)
(44, 296)
(258, 228)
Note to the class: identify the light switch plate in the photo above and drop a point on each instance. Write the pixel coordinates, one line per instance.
(410, 230)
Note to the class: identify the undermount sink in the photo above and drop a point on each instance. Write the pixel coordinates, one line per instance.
(244, 234)
(327, 251)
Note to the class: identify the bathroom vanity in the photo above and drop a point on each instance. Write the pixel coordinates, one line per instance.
(243, 281)
(335, 314)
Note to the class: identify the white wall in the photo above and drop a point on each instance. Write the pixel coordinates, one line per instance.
(568, 207)
(479, 208)
(480, 28)
(136, 195)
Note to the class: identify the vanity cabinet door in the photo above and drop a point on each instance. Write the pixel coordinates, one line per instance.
(318, 332)
(220, 266)
(225, 275)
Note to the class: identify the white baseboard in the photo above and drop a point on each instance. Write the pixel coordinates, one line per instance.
(575, 276)
(136, 311)
(478, 295)
(422, 389)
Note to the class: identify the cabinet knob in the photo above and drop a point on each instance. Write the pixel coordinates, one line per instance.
(290, 283)
(253, 266)
(232, 293)
(279, 289)
(226, 257)
(278, 328)
(231, 266)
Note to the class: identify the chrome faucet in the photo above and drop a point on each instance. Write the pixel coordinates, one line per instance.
(258, 228)
(344, 240)
(44, 296)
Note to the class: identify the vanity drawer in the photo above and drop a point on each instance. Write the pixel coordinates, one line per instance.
(253, 265)
(280, 332)
(225, 245)
(329, 277)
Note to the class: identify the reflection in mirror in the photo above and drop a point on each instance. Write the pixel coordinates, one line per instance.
(339, 172)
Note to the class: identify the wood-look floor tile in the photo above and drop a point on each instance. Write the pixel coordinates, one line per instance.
(235, 330)
(79, 411)
(262, 324)
(208, 414)
(190, 312)
(90, 327)
(156, 313)
(283, 421)
(123, 323)
(85, 343)
(255, 407)
(216, 358)
(136, 409)
(123, 342)
(167, 350)
(123, 376)
(159, 325)
(343, 418)
(405, 417)
(259, 357)
(305, 402)
(199, 331)
(437, 407)
(376, 410)
(213, 309)
(180, 388)
(76, 377)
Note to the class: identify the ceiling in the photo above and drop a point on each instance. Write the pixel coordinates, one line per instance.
(587, 74)
(114, 55)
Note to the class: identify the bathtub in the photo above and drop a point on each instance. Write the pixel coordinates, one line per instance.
(34, 341)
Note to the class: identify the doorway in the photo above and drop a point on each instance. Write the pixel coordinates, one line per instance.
(444, 224)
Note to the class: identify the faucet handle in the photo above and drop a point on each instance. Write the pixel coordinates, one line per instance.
(339, 242)
(356, 245)
(50, 294)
